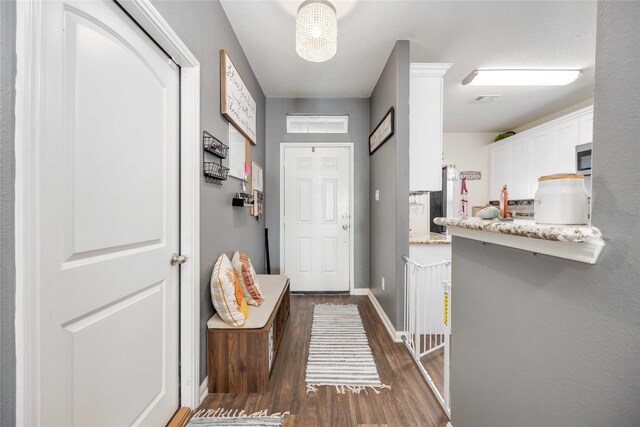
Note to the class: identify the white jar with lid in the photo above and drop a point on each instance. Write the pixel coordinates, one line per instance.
(561, 199)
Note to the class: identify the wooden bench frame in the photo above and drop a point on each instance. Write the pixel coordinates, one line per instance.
(238, 359)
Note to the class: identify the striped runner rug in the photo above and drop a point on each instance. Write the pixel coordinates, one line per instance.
(339, 352)
(221, 417)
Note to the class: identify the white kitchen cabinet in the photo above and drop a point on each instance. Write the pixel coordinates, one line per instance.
(425, 126)
(586, 127)
(567, 136)
(500, 168)
(543, 153)
(510, 164)
(520, 160)
(519, 182)
(553, 150)
(543, 157)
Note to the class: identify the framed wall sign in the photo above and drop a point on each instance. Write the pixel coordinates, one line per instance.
(382, 132)
(236, 102)
(471, 175)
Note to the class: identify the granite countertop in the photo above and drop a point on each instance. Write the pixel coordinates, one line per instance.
(526, 228)
(424, 238)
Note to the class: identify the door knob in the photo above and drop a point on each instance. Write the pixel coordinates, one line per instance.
(345, 227)
(178, 259)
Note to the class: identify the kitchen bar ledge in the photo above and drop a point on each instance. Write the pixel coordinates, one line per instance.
(578, 243)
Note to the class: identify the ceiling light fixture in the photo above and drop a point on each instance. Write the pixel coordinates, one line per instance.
(521, 77)
(316, 31)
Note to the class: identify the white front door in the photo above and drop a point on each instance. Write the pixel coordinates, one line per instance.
(317, 218)
(107, 213)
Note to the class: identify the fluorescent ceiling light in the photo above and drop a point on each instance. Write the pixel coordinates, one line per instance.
(521, 77)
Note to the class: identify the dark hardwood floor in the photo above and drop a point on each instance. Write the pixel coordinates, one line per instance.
(410, 402)
(434, 364)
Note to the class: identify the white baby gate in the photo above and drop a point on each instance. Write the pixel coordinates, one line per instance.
(427, 323)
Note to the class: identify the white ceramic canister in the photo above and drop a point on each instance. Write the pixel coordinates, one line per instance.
(561, 199)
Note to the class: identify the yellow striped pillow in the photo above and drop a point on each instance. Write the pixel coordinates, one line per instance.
(226, 293)
(247, 277)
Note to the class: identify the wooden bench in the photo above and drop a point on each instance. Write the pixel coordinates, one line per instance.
(239, 359)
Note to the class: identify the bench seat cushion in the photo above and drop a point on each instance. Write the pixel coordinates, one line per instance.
(272, 287)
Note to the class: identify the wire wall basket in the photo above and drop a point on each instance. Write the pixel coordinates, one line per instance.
(213, 145)
(215, 172)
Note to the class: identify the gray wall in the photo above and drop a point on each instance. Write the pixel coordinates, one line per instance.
(7, 200)
(389, 173)
(539, 340)
(358, 111)
(205, 29)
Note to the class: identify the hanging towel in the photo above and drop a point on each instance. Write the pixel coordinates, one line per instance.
(464, 202)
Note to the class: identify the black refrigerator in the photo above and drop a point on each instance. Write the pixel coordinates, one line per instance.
(438, 205)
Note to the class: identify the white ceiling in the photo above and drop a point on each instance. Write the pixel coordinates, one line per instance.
(469, 34)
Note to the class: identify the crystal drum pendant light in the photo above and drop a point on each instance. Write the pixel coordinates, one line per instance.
(316, 31)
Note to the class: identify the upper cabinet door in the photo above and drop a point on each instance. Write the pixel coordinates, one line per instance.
(500, 168)
(553, 150)
(567, 136)
(543, 155)
(520, 177)
(425, 126)
(586, 127)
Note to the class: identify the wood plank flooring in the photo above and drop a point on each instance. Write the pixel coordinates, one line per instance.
(434, 364)
(180, 417)
(410, 402)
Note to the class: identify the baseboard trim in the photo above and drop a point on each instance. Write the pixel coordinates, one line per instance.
(179, 419)
(360, 291)
(395, 336)
(204, 389)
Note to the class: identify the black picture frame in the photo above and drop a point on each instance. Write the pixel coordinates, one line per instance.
(391, 115)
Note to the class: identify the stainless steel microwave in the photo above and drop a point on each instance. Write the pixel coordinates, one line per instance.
(583, 158)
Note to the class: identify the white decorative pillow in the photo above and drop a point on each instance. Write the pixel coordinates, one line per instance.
(226, 293)
(247, 277)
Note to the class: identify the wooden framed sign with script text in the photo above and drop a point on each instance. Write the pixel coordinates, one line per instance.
(236, 102)
(382, 132)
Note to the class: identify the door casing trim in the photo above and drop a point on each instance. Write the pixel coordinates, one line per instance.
(352, 217)
(29, 50)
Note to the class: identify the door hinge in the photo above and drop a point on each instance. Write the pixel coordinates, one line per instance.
(173, 63)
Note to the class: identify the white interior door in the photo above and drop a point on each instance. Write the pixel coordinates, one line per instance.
(107, 216)
(317, 218)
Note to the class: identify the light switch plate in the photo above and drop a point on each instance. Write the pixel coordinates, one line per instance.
(383, 283)
(377, 195)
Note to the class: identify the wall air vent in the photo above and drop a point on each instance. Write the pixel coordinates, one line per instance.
(486, 98)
